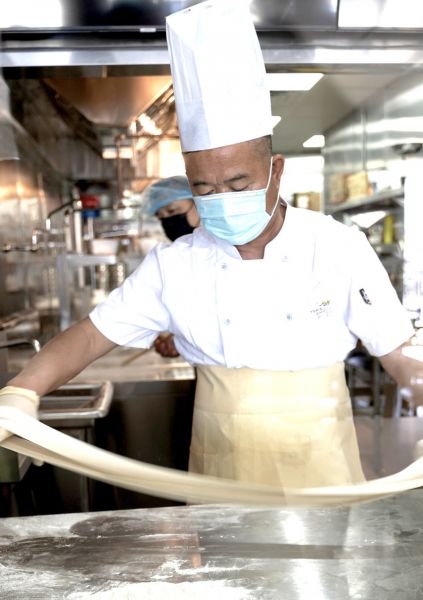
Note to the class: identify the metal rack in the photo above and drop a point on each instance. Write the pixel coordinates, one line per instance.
(75, 298)
(392, 201)
(385, 199)
(391, 256)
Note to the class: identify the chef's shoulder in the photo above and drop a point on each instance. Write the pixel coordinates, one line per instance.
(318, 221)
(184, 245)
(328, 233)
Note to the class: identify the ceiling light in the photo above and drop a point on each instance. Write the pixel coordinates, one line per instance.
(381, 13)
(148, 125)
(364, 56)
(27, 13)
(290, 82)
(315, 141)
(111, 153)
(132, 128)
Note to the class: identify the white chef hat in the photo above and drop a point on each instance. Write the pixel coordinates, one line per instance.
(219, 77)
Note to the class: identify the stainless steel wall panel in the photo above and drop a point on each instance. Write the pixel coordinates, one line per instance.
(394, 119)
(371, 137)
(344, 150)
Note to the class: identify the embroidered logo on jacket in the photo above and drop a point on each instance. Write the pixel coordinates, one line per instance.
(365, 297)
(322, 309)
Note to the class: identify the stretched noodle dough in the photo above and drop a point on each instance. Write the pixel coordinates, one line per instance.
(47, 444)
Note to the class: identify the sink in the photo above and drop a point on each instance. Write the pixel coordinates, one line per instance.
(76, 402)
(72, 406)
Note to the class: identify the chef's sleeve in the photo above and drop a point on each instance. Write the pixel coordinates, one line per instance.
(375, 313)
(134, 313)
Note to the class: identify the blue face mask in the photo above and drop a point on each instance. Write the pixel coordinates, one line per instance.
(237, 217)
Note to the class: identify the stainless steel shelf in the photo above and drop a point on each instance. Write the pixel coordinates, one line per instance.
(76, 401)
(386, 198)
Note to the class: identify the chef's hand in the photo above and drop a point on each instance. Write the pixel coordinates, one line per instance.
(165, 346)
(24, 400)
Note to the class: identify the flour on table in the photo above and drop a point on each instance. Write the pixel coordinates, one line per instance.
(194, 590)
(172, 567)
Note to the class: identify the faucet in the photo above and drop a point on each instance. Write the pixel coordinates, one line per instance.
(74, 204)
(33, 342)
(7, 247)
(73, 223)
(73, 207)
(37, 232)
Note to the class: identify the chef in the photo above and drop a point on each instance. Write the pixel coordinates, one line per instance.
(170, 199)
(264, 299)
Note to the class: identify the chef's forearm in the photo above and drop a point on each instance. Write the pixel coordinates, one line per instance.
(63, 357)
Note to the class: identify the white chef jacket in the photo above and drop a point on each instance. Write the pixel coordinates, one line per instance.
(319, 287)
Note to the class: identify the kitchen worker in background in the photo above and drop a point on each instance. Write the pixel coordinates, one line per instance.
(264, 299)
(170, 200)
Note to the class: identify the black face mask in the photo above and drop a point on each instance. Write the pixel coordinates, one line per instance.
(176, 225)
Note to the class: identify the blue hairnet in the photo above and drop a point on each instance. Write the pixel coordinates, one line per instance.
(163, 192)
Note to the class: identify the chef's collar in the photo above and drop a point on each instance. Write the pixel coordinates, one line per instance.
(279, 243)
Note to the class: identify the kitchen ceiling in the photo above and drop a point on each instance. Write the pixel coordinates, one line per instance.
(109, 77)
(304, 114)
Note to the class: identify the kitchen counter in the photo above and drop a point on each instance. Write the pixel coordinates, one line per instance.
(371, 551)
(148, 367)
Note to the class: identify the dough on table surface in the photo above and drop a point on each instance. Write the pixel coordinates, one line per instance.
(158, 590)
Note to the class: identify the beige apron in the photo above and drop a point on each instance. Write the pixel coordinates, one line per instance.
(278, 428)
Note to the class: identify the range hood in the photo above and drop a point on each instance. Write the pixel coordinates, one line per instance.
(149, 15)
(102, 35)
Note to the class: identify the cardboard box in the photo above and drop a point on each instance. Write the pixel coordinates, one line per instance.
(310, 200)
(337, 188)
(358, 185)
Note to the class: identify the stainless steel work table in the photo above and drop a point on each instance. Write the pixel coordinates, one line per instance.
(370, 551)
